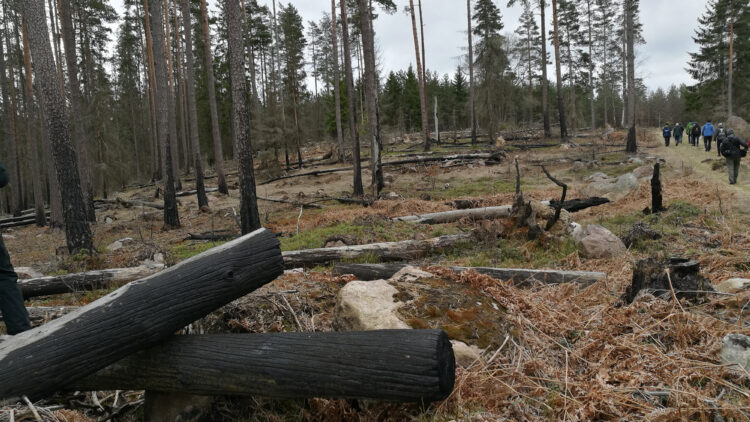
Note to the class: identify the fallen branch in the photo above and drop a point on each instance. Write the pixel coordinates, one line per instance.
(295, 203)
(136, 316)
(78, 282)
(517, 276)
(212, 236)
(130, 203)
(194, 192)
(386, 251)
(309, 173)
(575, 205)
(411, 366)
(558, 208)
(485, 213)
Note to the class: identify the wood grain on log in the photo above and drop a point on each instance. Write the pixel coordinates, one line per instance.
(91, 280)
(518, 276)
(138, 315)
(383, 252)
(392, 365)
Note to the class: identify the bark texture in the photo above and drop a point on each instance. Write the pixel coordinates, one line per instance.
(351, 95)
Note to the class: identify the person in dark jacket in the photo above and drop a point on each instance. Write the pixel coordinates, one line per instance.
(11, 300)
(732, 149)
(667, 133)
(721, 135)
(677, 133)
(696, 132)
(708, 135)
(689, 131)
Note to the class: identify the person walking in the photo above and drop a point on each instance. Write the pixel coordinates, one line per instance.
(733, 149)
(677, 133)
(11, 300)
(696, 132)
(689, 131)
(721, 135)
(708, 135)
(667, 133)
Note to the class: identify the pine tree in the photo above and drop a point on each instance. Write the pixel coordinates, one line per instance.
(420, 77)
(558, 73)
(336, 81)
(491, 61)
(371, 94)
(292, 58)
(529, 50)
(472, 106)
(350, 94)
(631, 10)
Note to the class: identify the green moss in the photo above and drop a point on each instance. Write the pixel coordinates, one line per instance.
(509, 253)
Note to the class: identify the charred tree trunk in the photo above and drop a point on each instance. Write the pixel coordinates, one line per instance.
(9, 130)
(215, 130)
(371, 95)
(545, 80)
(192, 113)
(76, 106)
(250, 218)
(174, 138)
(135, 316)
(171, 215)
(558, 74)
(32, 139)
(351, 94)
(77, 231)
(632, 142)
(656, 199)
(337, 80)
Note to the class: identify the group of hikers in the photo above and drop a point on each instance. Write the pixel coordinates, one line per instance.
(728, 144)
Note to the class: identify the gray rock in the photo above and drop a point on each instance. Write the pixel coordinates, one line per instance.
(27, 272)
(598, 242)
(119, 244)
(466, 355)
(613, 189)
(644, 172)
(736, 350)
(635, 160)
(733, 285)
(391, 196)
(367, 305)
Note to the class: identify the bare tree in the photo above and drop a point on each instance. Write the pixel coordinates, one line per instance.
(171, 215)
(472, 108)
(215, 132)
(351, 94)
(250, 218)
(337, 79)
(77, 230)
(420, 73)
(192, 114)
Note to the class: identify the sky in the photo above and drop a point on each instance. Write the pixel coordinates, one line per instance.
(668, 27)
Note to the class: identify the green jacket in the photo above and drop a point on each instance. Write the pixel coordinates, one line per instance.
(677, 131)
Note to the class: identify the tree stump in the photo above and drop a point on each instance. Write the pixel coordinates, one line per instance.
(655, 277)
(656, 199)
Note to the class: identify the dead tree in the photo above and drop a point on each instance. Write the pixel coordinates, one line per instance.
(558, 208)
(656, 200)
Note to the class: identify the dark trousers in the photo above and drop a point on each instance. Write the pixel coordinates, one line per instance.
(733, 166)
(677, 139)
(666, 140)
(707, 142)
(11, 300)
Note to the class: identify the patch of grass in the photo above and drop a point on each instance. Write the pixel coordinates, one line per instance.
(510, 253)
(478, 187)
(315, 238)
(617, 171)
(185, 251)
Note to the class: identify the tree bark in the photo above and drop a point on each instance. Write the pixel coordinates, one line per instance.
(155, 145)
(91, 280)
(351, 94)
(9, 126)
(730, 87)
(411, 366)
(215, 130)
(192, 109)
(472, 108)
(171, 214)
(174, 138)
(337, 80)
(250, 218)
(77, 231)
(558, 71)
(76, 106)
(135, 316)
(632, 141)
(420, 74)
(545, 81)
(371, 95)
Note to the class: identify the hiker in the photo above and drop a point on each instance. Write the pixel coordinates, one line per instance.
(733, 149)
(696, 132)
(11, 300)
(677, 133)
(689, 131)
(667, 132)
(721, 134)
(708, 135)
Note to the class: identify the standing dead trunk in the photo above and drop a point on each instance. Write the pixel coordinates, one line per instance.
(76, 105)
(173, 135)
(182, 107)
(545, 81)
(250, 218)
(9, 129)
(56, 220)
(371, 95)
(77, 231)
(337, 80)
(632, 142)
(155, 151)
(192, 114)
(31, 134)
(472, 110)
(422, 93)
(558, 74)
(215, 131)
(171, 215)
(351, 93)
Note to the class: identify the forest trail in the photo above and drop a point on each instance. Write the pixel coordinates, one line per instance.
(703, 164)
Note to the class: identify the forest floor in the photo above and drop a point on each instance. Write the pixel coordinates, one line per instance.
(573, 353)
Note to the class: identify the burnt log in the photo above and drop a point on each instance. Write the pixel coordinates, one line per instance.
(575, 205)
(681, 276)
(389, 365)
(485, 213)
(45, 359)
(656, 198)
(517, 276)
(78, 282)
(383, 252)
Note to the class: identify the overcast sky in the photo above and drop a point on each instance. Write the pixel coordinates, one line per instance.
(668, 29)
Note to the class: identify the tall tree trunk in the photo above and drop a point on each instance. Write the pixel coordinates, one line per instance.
(558, 71)
(76, 105)
(31, 134)
(589, 13)
(545, 80)
(155, 149)
(192, 114)
(353, 125)
(337, 81)
(371, 94)
(215, 130)
(56, 220)
(9, 127)
(571, 75)
(632, 142)
(422, 93)
(472, 108)
(171, 214)
(421, 40)
(56, 43)
(173, 135)
(181, 88)
(730, 87)
(250, 218)
(77, 230)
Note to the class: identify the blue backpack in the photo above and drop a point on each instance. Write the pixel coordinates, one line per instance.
(667, 132)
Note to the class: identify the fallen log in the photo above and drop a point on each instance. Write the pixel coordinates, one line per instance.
(78, 282)
(575, 205)
(25, 222)
(130, 203)
(385, 251)
(45, 359)
(211, 236)
(309, 173)
(518, 276)
(22, 217)
(390, 365)
(295, 203)
(194, 192)
(484, 213)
